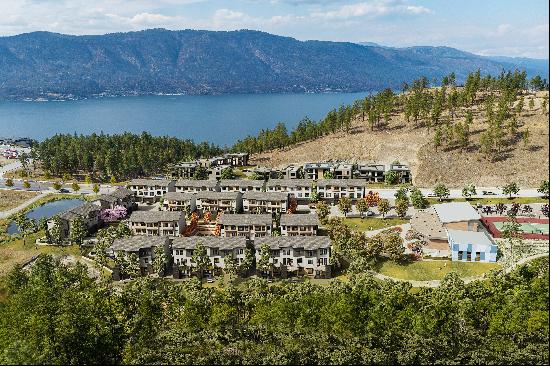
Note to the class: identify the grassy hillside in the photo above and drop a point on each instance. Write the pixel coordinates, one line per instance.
(414, 144)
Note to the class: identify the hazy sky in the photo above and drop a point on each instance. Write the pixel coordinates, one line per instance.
(488, 27)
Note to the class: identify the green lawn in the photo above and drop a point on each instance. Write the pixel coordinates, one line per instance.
(492, 201)
(427, 270)
(373, 223)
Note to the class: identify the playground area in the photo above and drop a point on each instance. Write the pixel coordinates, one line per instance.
(532, 228)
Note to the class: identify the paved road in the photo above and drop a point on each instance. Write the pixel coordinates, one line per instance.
(457, 193)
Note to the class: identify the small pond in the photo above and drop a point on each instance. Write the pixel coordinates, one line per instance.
(47, 210)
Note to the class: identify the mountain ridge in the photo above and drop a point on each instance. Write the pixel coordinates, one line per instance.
(160, 61)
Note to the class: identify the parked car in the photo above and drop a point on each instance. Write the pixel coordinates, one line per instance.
(488, 193)
(64, 190)
(431, 195)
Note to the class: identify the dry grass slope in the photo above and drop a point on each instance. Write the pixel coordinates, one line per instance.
(414, 145)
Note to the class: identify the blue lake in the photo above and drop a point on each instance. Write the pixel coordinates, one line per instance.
(47, 210)
(221, 119)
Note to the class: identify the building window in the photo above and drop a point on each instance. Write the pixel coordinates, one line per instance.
(469, 256)
(460, 255)
(478, 256)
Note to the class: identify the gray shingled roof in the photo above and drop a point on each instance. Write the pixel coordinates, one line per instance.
(187, 164)
(265, 196)
(246, 219)
(400, 167)
(341, 182)
(208, 183)
(236, 154)
(372, 167)
(155, 216)
(299, 219)
(119, 193)
(306, 242)
(150, 182)
(79, 211)
(289, 182)
(323, 165)
(190, 242)
(241, 183)
(211, 195)
(137, 242)
(179, 196)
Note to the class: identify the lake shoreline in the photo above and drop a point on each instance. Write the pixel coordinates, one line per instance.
(217, 119)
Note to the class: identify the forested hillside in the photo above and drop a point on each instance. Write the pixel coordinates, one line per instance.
(57, 315)
(487, 132)
(51, 65)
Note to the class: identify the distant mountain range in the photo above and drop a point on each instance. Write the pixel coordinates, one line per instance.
(159, 61)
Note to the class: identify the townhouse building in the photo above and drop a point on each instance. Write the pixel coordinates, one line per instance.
(88, 212)
(216, 161)
(236, 159)
(241, 185)
(343, 171)
(372, 173)
(265, 173)
(144, 248)
(157, 223)
(317, 170)
(217, 250)
(333, 189)
(193, 185)
(215, 172)
(179, 201)
(183, 170)
(150, 190)
(119, 197)
(403, 171)
(246, 225)
(299, 224)
(265, 202)
(297, 188)
(208, 201)
(293, 171)
(296, 255)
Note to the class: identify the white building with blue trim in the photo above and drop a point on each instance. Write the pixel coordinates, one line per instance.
(471, 246)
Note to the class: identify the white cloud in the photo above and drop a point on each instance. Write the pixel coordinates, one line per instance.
(373, 8)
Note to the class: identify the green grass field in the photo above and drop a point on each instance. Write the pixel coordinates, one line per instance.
(372, 223)
(427, 270)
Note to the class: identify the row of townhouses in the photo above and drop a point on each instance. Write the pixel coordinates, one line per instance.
(172, 223)
(371, 173)
(267, 196)
(232, 202)
(214, 165)
(299, 255)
